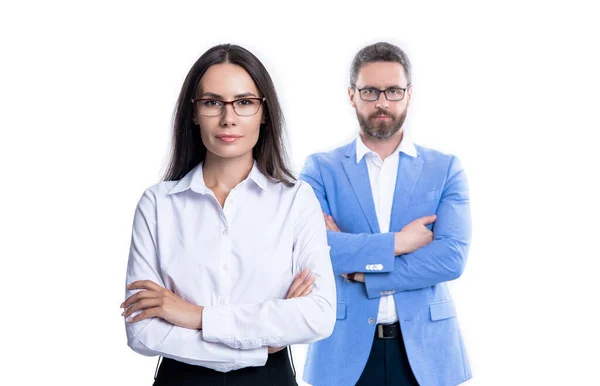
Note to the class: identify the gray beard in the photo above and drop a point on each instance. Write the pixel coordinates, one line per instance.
(383, 131)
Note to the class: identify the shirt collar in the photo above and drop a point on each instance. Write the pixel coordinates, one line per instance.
(406, 146)
(194, 180)
(258, 177)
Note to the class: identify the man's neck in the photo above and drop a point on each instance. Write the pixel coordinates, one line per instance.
(383, 147)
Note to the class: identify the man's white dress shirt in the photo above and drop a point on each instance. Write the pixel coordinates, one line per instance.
(382, 176)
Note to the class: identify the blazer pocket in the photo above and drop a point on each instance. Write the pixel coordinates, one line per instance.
(341, 310)
(442, 310)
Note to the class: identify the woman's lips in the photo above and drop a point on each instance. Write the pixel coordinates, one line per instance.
(228, 138)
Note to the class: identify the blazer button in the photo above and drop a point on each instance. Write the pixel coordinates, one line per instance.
(371, 320)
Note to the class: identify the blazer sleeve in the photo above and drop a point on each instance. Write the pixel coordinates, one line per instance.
(350, 252)
(445, 258)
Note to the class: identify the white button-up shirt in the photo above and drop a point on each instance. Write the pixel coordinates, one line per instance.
(239, 262)
(382, 176)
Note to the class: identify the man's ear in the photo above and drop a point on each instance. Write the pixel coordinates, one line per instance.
(352, 95)
(409, 94)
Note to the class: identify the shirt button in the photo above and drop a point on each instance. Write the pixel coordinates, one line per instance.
(371, 320)
(225, 233)
(222, 301)
(225, 267)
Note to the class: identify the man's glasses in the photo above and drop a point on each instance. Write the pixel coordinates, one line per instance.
(392, 94)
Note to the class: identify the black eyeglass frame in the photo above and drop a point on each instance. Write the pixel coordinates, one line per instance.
(384, 93)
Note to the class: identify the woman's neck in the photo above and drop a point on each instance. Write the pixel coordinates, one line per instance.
(223, 174)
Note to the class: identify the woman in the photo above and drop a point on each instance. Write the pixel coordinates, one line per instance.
(218, 275)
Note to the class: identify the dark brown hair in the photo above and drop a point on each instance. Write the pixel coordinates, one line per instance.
(188, 150)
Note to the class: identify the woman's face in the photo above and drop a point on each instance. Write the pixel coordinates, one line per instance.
(228, 135)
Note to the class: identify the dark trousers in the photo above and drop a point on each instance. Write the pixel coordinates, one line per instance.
(387, 364)
(277, 371)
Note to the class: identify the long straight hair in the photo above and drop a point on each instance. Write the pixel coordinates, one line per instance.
(188, 150)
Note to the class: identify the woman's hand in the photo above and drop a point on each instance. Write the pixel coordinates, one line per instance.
(156, 301)
(301, 286)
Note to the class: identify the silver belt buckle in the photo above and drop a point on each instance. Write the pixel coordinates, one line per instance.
(380, 332)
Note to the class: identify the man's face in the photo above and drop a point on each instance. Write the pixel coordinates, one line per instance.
(381, 118)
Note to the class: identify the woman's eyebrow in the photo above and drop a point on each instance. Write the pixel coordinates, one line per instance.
(246, 94)
(217, 96)
(211, 94)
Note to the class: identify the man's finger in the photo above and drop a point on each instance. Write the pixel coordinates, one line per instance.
(335, 227)
(360, 277)
(332, 225)
(328, 224)
(427, 219)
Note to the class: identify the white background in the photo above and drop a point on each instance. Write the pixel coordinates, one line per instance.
(87, 92)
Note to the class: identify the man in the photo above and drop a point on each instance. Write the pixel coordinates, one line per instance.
(399, 228)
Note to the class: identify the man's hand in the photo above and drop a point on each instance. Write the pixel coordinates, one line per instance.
(358, 276)
(414, 236)
(330, 224)
(156, 301)
(301, 286)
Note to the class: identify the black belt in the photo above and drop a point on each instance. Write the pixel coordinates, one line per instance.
(387, 331)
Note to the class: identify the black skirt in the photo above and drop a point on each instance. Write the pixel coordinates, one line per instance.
(277, 371)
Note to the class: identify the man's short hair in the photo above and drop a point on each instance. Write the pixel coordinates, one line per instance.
(379, 52)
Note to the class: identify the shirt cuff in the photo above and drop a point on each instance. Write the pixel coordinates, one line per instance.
(255, 357)
(217, 324)
(377, 285)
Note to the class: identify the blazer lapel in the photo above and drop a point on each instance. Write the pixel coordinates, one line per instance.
(409, 169)
(358, 174)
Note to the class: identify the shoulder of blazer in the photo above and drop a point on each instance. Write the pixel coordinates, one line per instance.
(333, 157)
(434, 158)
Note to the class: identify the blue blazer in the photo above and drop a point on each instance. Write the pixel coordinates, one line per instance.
(431, 183)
